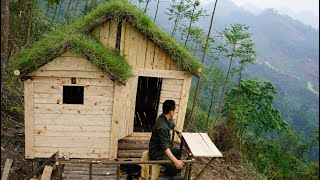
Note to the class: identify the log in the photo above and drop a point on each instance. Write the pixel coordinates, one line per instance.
(130, 146)
(46, 175)
(48, 161)
(6, 170)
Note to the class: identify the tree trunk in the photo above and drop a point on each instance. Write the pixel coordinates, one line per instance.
(59, 9)
(14, 43)
(75, 9)
(146, 7)
(4, 36)
(48, 7)
(176, 21)
(55, 13)
(210, 108)
(203, 56)
(67, 11)
(224, 87)
(29, 38)
(155, 16)
(189, 29)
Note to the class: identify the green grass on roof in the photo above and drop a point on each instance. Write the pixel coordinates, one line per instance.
(51, 47)
(76, 35)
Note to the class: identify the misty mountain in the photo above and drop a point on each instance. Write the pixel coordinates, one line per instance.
(287, 53)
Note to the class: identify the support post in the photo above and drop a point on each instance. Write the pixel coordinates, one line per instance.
(90, 171)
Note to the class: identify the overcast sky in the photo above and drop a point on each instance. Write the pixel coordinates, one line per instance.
(294, 5)
(306, 11)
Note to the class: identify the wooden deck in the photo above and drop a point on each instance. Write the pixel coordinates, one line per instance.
(129, 148)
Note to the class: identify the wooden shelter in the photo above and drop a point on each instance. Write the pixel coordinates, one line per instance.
(98, 80)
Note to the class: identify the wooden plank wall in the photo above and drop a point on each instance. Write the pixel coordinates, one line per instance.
(76, 130)
(147, 59)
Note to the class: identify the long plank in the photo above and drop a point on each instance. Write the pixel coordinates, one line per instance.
(71, 109)
(46, 175)
(72, 142)
(142, 49)
(197, 145)
(104, 33)
(28, 119)
(170, 94)
(69, 64)
(171, 87)
(150, 54)
(72, 131)
(139, 136)
(96, 32)
(78, 74)
(117, 116)
(6, 170)
(132, 94)
(125, 41)
(159, 59)
(113, 34)
(72, 119)
(133, 47)
(45, 152)
(211, 146)
(178, 82)
(159, 73)
(98, 91)
(184, 101)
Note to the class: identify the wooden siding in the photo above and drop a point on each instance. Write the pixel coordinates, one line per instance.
(76, 130)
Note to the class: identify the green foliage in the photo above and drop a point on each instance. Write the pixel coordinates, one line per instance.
(251, 106)
(312, 172)
(52, 46)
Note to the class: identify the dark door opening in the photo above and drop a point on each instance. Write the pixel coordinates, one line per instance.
(147, 100)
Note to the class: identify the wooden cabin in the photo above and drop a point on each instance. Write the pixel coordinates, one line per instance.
(77, 102)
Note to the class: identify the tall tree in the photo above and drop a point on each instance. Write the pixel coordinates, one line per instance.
(4, 36)
(203, 57)
(236, 41)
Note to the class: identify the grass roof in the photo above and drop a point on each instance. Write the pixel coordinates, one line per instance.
(76, 36)
(51, 47)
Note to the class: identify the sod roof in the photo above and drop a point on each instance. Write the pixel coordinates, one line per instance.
(77, 36)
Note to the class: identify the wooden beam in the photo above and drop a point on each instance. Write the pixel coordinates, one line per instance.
(159, 73)
(6, 170)
(116, 118)
(46, 175)
(28, 118)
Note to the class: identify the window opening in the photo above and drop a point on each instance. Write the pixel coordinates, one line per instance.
(73, 94)
(147, 101)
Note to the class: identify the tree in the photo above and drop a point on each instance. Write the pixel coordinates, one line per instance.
(251, 108)
(4, 37)
(236, 45)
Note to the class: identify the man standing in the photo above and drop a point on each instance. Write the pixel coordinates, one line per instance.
(159, 146)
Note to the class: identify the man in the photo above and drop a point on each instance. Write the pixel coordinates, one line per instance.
(159, 146)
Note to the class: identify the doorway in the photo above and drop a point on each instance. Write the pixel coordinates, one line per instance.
(147, 102)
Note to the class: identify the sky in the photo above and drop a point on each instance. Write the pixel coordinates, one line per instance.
(306, 11)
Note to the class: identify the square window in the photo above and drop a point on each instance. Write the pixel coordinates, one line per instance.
(73, 94)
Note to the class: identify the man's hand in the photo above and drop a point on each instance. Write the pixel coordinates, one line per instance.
(179, 164)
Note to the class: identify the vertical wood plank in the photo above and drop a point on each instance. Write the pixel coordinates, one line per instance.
(133, 94)
(113, 34)
(28, 118)
(142, 48)
(6, 170)
(124, 46)
(150, 54)
(183, 101)
(96, 32)
(159, 59)
(133, 47)
(167, 62)
(46, 175)
(104, 33)
(173, 65)
(117, 116)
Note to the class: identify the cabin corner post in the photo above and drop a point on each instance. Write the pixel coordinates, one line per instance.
(28, 119)
(116, 118)
(183, 102)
